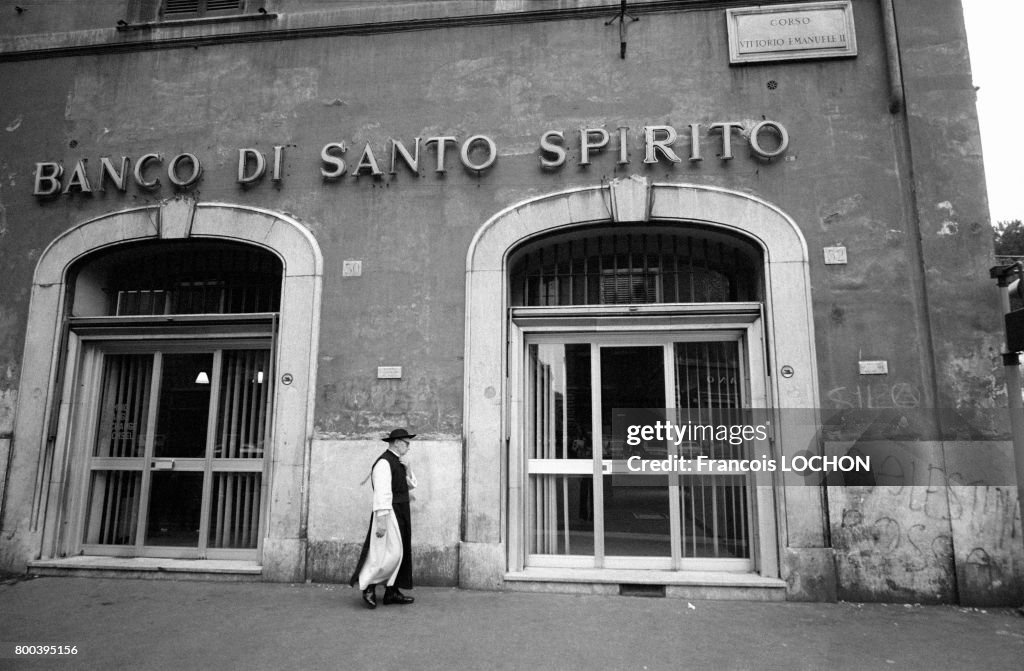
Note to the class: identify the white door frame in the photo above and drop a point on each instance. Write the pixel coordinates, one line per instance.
(86, 361)
(635, 326)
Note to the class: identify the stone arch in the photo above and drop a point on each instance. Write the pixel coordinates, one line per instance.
(627, 200)
(34, 500)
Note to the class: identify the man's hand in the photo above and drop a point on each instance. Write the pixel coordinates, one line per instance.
(382, 523)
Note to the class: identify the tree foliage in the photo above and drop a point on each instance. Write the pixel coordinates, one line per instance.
(1008, 237)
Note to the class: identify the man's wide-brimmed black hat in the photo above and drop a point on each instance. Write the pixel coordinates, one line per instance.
(398, 434)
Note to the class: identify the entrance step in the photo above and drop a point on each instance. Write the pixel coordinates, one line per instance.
(724, 586)
(148, 568)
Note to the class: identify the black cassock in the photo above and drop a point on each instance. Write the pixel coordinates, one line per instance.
(400, 506)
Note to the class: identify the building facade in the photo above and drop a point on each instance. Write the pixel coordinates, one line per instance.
(242, 241)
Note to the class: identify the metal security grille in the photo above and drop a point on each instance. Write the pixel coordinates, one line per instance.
(243, 404)
(207, 280)
(625, 267)
(125, 404)
(709, 393)
(235, 513)
(116, 494)
(241, 434)
(114, 514)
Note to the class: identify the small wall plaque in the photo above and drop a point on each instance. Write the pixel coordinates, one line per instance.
(835, 256)
(351, 268)
(389, 372)
(874, 367)
(791, 32)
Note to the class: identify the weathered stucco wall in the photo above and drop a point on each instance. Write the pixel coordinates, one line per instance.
(843, 178)
(938, 544)
(941, 541)
(951, 208)
(902, 192)
(339, 511)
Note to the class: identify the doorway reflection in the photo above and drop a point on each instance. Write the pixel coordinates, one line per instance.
(636, 509)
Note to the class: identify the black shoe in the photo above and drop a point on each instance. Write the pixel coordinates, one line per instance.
(393, 596)
(370, 596)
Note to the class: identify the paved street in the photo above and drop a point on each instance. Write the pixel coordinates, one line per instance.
(163, 624)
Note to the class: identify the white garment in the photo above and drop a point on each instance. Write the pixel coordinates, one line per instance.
(385, 554)
(381, 478)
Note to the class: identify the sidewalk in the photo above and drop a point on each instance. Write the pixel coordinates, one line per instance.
(162, 624)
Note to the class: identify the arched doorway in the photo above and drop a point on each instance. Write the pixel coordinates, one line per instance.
(645, 306)
(135, 452)
(174, 342)
(635, 325)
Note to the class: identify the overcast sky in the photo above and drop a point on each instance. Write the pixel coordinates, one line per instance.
(994, 37)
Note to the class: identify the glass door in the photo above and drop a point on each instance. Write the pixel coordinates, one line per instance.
(560, 516)
(176, 466)
(585, 507)
(637, 510)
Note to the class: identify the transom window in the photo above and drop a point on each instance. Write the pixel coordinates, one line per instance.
(635, 265)
(170, 278)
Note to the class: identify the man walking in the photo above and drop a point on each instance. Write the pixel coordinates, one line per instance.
(387, 552)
